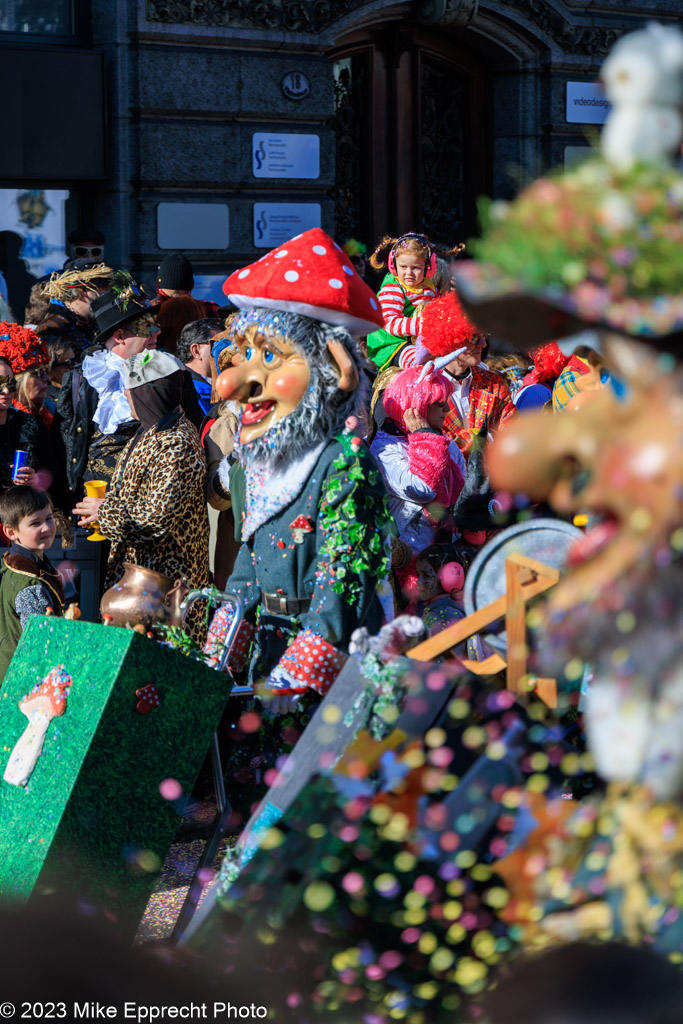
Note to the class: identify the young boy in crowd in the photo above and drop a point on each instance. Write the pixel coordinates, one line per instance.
(29, 583)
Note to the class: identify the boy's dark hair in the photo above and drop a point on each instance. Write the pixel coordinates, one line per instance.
(21, 501)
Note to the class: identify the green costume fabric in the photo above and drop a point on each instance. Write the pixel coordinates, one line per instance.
(382, 346)
(337, 562)
(16, 574)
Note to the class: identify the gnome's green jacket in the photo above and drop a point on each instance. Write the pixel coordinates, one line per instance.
(315, 541)
(28, 586)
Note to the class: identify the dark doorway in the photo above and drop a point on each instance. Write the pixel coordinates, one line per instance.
(413, 134)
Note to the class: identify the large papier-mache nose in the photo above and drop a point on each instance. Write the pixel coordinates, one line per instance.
(240, 382)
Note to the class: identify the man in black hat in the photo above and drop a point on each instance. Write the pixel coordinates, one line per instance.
(97, 421)
(96, 418)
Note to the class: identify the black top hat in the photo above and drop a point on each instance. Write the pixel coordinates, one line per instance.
(124, 302)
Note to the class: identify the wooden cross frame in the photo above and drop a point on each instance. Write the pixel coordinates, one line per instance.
(525, 578)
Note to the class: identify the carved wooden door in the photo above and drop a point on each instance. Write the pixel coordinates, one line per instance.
(413, 127)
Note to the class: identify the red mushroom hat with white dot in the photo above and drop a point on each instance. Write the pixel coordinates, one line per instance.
(312, 276)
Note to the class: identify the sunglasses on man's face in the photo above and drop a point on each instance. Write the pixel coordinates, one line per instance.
(69, 363)
(88, 250)
(8, 384)
(39, 374)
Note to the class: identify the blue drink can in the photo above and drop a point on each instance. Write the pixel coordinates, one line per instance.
(20, 460)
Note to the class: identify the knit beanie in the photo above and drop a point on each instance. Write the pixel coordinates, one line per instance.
(175, 272)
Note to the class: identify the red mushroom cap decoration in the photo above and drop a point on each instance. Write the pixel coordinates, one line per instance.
(312, 276)
(300, 526)
(148, 698)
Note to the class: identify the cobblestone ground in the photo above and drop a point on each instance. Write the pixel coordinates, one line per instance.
(176, 874)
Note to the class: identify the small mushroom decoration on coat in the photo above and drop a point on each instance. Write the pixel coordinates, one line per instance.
(148, 698)
(301, 526)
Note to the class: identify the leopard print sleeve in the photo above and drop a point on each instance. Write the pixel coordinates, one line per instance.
(156, 488)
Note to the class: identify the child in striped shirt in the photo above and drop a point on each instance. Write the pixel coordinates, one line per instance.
(405, 290)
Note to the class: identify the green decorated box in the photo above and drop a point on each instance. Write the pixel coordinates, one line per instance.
(91, 820)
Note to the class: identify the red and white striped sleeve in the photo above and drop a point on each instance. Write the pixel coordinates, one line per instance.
(407, 357)
(392, 300)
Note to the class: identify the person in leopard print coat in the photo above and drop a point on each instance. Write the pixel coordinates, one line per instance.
(154, 511)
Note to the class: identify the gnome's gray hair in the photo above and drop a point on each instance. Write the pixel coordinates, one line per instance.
(322, 412)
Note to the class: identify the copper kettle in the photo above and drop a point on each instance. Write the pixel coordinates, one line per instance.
(143, 597)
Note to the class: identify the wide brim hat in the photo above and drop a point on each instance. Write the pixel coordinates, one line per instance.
(124, 302)
(312, 276)
(80, 273)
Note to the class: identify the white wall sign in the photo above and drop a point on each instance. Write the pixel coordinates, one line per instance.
(285, 156)
(35, 241)
(295, 85)
(37, 216)
(193, 226)
(275, 223)
(586, 103)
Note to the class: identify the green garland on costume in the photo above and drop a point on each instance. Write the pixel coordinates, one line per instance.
(383, 695)
(357, 527)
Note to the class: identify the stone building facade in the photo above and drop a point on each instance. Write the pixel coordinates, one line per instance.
(228, 123)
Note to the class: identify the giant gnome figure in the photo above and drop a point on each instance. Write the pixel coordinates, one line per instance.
(315, 527)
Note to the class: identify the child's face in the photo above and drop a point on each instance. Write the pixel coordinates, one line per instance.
(436, 414)
(35, 532)
(410, 269)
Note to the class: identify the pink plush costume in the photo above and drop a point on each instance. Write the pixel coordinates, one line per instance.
(423, 471)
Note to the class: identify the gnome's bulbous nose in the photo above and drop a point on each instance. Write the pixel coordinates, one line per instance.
(235, 383)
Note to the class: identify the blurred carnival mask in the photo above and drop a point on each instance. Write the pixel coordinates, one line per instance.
(619, 460)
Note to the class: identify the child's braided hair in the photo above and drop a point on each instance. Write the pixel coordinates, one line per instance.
(412, 242)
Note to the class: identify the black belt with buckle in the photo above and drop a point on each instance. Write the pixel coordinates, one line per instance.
(278, 604)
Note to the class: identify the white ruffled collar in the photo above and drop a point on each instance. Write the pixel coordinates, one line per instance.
(105, 372)
(101, 368)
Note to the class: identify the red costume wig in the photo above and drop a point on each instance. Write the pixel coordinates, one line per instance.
(549, 362)
(21, 348)
(445, 327)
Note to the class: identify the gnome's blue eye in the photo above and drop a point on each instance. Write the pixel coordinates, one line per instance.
(268, 356)
(249, 352)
